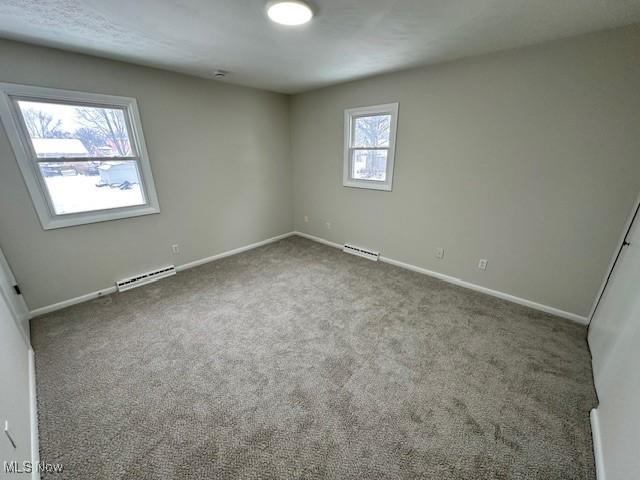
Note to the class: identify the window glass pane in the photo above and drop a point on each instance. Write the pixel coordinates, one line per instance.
(87, 186)
(68, 131)
(372, 131)
(369, 165)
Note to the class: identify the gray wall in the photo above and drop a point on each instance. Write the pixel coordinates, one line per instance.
(220, 159)
(529, 158)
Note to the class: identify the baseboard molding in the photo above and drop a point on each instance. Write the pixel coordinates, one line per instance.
(33, 407)
(72, 301)
(597, 444)
(109, 290)
(462, 283)
(319, 240)
(235, 251)
(494, 293)
(453, 280)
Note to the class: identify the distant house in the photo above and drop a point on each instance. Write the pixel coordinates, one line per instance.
(59, 147)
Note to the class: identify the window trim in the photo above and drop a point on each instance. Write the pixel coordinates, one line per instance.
(13, 123)
(350, 114)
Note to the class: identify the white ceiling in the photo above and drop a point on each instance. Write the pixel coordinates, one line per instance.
(348, 39)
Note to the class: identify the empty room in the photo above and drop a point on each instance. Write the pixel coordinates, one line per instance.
(324, 239)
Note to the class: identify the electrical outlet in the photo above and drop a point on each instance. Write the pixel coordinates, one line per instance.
(439, 252)
(482, 264)
(328, 225)
(306, 219)
(175, 249)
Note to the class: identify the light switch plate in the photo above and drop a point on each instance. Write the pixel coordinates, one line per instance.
(7, 432)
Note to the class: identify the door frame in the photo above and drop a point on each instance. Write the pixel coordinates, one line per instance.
(16, 302)
(33, 402)
(635, 214)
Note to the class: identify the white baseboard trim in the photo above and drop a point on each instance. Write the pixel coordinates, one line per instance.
(489, 291)
(72, 301)
(462, 283)
(319, 240)
(597, 444)
(109, 290)
(235, 251)
(441, 276)
(33, 407)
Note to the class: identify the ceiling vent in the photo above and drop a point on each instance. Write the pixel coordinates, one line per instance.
(144, 278)
(361, 252)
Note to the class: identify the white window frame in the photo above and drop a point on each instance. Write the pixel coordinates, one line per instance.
(14, 125)
(350, 115)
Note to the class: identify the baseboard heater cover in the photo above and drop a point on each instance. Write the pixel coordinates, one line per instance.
(361, 252)
(144, 278)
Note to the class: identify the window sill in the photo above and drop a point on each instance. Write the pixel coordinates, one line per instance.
(385, 187)
(63, 221)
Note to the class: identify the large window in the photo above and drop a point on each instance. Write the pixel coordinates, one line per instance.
(82, 155)
(369, 146)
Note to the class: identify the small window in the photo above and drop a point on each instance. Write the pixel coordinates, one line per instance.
(369, 146)
(82, 155)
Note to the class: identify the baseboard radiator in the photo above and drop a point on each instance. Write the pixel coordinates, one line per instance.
(144, 278)
(361, 252)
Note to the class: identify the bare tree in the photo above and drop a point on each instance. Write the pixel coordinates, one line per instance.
(374, 131)
(41, 124)
(91, 139)
(109, 123)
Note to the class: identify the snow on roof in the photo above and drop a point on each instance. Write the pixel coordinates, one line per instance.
(59, 147)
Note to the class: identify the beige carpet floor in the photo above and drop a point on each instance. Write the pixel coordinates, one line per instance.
(295, 360)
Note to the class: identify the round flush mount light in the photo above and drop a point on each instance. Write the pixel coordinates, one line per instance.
(289, 12)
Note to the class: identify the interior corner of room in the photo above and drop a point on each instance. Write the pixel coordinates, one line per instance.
(446, 246)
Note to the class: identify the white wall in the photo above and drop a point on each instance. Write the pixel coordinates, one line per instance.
(618, 411)
(220, 159)
(528, 158)
(15, 398)
(614, 338)
(15, 301)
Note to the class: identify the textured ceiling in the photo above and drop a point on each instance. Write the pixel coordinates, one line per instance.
(348, 39)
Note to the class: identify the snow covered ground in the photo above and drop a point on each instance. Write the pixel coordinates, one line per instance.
(78, 193)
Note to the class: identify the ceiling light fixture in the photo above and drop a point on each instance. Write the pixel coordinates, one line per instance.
(289, 12)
